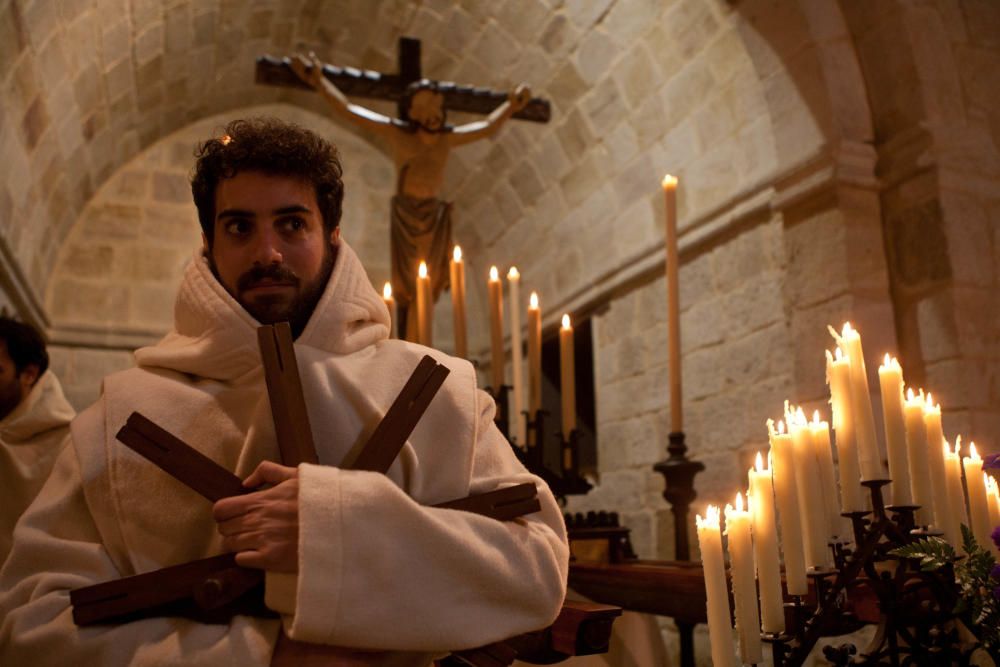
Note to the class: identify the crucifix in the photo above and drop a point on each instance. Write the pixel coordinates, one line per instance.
(419, 141)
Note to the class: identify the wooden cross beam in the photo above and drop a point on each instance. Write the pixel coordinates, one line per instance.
(377, 85)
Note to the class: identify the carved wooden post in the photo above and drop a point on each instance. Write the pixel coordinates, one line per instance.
(678, 473)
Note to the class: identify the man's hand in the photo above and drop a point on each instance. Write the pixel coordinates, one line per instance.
(519, 98)
(309, 70)
(263, 527)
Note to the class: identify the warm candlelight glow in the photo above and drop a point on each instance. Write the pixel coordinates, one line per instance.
(669, 182)
(759, 463)
(533, 301)
(711, 517)
(909, 394)
(973, 454)
(422, 271)
(513, 274)
(847, 329)
(781, 428)
(958, 444)
(387, 291)
(739, 501)
(456, 254)
(815, 421)
(494, 274)
(565, 321)
(886, 363)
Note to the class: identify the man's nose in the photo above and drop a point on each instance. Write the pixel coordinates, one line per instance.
(268, 249)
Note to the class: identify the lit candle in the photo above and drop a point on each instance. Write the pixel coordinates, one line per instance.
(944, 514)
(519, 430)
(568, 377)
(785, 496)
(861, 406)
(979, 513)
(425, 307)
(809, 489)
(496, 328)
(820, 431)
(720, 629)
(838, 370)
(390, 303)
(993, 505)
(890, 378)
(458, 302)
(916, 445)
(956, 494)
(740, 549)
(765, 548)
(669, 185)
(534, 355)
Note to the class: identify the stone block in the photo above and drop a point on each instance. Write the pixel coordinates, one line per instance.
(584, 13)
(622, 145)
(715, 120)
(938, 330)
(170, 188)
(692, 26)
(648, 121)
(174, 224)
(40, 20)
(34, 123)
(754, 305)
(596, 55)
(92, 303)
(637, 74)
(702, 325)
(87, 261)
(633, 183)
(87, 88)
(558, 36)
(816, 259)
(757, 357)
(604, 105)
(148, 44)
(566, 86)
(507, 205)
(152, 306)
(13, 35)
(550, 158)
(580, 182)
(574, 136)
(701, 377)
(526, 183)
(686, 91)
(112, 221)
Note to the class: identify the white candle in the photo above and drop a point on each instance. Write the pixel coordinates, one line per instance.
(956, 494)
(785, 496)
(944, 514)
(765, 548)
(890, 377)
(838, 370)
(979, 513)
(720, 629)
(567, 377)
(520, 427)
(534, 355)
(740, 549)
(993, 505)
(458, 302)
(390, 303)
(861, 406)
(916, 445)
(820, 431)
(669, 185)
(425, 307)
(495, 290)
(809, 490)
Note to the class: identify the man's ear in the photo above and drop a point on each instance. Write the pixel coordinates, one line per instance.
(28, 376)
(204, 242)
(335, 236)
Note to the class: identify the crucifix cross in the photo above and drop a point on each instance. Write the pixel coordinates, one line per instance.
(380, 86)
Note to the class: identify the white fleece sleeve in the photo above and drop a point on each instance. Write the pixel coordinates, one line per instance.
(377, 570)
(57, 548)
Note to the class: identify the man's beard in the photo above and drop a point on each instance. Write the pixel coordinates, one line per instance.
(10, 396)
(269, 309)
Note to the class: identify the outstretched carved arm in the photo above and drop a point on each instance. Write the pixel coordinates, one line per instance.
(516, 100)
(310, 71)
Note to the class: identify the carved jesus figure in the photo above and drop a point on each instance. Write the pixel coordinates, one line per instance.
(420, 142)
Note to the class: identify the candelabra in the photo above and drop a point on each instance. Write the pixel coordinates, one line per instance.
(917, 620)
(567, 479)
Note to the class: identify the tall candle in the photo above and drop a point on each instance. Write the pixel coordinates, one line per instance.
(720, 629)
(916, 445)
(673, 305)
(890, 377)
(740, 549)
(425, 307)
(765, 547)
(568, 377)
(820, 431)
(785, 496)
(809, 490)
(390, 303)
(944, 514)
(861, 406)
(458, 302)
(993, 505)
(838, 370)
(979, 513)
(520, 428)
(956, 494)
(495, 290)
(534, 355)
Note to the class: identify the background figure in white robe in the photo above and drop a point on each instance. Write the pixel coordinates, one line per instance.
(34, 422)
(353, 559)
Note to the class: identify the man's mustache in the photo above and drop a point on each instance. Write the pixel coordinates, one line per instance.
(277, 273)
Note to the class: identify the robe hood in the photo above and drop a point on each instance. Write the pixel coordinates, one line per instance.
(215, 337)
(43, 409)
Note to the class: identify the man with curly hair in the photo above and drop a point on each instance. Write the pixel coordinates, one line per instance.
(360, 567)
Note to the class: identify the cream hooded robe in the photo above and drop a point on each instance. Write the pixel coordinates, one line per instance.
(378, 568)
(31, 436)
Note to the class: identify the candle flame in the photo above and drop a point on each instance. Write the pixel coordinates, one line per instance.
(973, 454)
(456, 254)
(739, 501)
(847, 329)
(839, 354)
(711, 518)
(759, 463)
(958, 444)
(513, 274)
(533, 301)
(422, 271)
(947, 448)
(565, 321)
(669, 182)
(387, 291)
(909, 393)
(815, 421)
(781, 428)
(494, 274)
(887, 363)
(929, 400)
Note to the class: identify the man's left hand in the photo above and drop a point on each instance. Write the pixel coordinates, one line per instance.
(263, 527)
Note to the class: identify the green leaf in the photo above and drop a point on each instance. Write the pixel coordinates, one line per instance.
(932, 552)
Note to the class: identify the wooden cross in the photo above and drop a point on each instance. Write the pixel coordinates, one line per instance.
(379, 86)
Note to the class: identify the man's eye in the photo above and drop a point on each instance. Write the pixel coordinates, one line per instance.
(237, 227)
(293, 224)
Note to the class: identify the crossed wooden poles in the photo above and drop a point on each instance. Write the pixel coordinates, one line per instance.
(212, 590)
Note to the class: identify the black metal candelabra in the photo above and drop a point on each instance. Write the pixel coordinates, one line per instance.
(917, 621)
